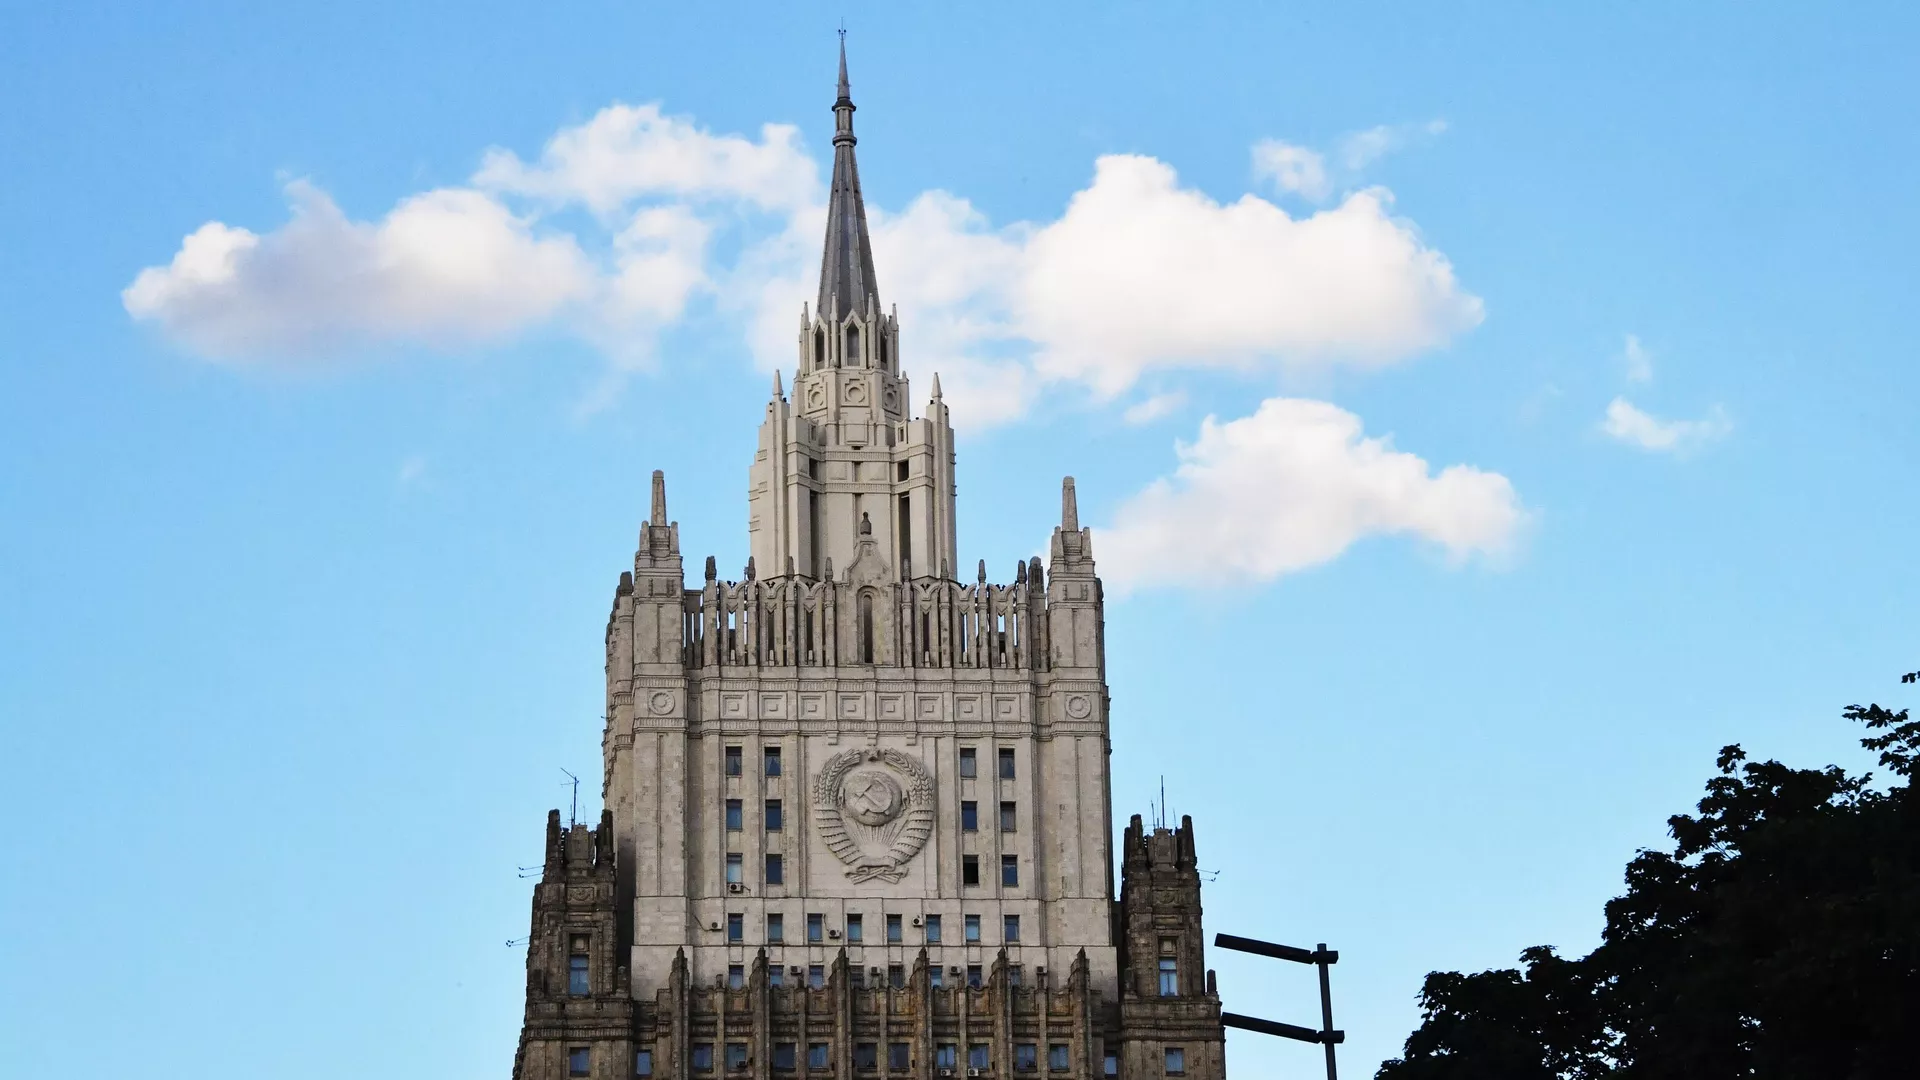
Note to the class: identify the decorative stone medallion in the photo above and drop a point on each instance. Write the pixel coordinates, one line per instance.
(874, 808)
(1079, 707)
(661, 702)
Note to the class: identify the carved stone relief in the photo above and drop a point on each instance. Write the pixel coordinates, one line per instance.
(874, 808)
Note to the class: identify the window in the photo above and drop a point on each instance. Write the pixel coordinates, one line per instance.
(933, 929)
(1008, 817)
(733, 768)
(945, 1055)
(736, 980)
(979, 1056)
(1016, 975)
(900, 471)
(643, 1063)
(855, 932)
(776, 975)
(1026, 1057)
(857, 976)
(785, 1057)
(866, 1056)
(897, 976)
(969, 869)
(973, 929)
(773, 761)
(776, 929)
(816, 928)
(1057, 1057)
(969, 765)
(736, 928)
(1010, 929)
(577, 983)
(1006, 763)
(816, 976)
(969, 816)
(894, 935)
(1111, 1066)
(1169, 977)
(736, 1056)
(733, 815)
(702, 1057)
(817, 1056)
(776, 870)
(1176, 1061)
(775, 818)
(580, 1061)
(973, 976)
(733, 868)
(899, 1056)
(936, 977)
(1010, 870)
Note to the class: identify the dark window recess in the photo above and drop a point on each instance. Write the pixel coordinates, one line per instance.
(736, 1056)
(736, 928)
(733, 868)
(776, 976)
(979, 1055)
(894, 934)
(580, 1061)
(969, 764)
(866, 1056)
(773, 761)
(1026, 1057)
(1006, 763)
(1009, 870)
(733, 761)
(897, 976)
(775, 817)
(816, 927)
(969, 869)
(776, 929)
(577, 982)
(969, 816)
(1009, 817)
(702, 1057)
(816, 976)
(974, 980)
(736, 980)
(733, 815)
(643, 1063)
(1010, 929)
(1176, 1061)
(973, 929)
(1057, 1057)
(1111, 1066)
(785, 1057)
(856, 932)
(945, 1055)
(817, 1057)
(933, 929)
(1169, 977)
(776, 870)
(1016, 975)
(900, 471)
(899, 1056)
(937, 977)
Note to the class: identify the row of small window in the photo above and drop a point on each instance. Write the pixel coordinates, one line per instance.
(774, 870)
(856, 932)
(866, 1058)
(770, 762)
(896, 976)
(774, 819)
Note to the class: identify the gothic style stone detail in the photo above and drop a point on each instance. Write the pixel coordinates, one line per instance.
(875, 811)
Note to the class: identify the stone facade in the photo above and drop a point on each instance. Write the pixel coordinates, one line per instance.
(859, 815)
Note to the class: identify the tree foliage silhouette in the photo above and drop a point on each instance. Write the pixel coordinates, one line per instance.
(1779, 938)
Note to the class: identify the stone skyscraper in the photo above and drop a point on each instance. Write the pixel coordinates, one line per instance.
(858, 814)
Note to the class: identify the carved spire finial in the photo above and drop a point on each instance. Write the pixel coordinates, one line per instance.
(983, 571)
(779, 391)
(936, 387)
(1069, 506)
(659, 516)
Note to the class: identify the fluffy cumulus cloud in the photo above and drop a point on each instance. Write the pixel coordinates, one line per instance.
(1293, 169)
(450, 266)
(1138, 274)
(1629, 424)
(1291, 487)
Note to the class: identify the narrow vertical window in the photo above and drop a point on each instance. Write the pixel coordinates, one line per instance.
(776, 976)
(969, 869)
(736, 978)
(945, 1055)
(1016, 975)
(776, 928)
(775, 817)
(897, 976)
(969, 763)
(1057, 1057)
(773, 761)
(702, 1057)
(785, 1059)
(1010, 929)
(1006, 763)
(1176, 1061)
(776, 870)
(1010, 870)
(973, 929)
(1169, 977)
(1110, 1066)
(899, 1056)
(1009, 817)
(936, 976)
(580, 1061)
(933, 929)
(866, 627)
(855, 931)
(866, 1056)
(577, 981)
(733, 868)
(736, 928)
(979, 1055)
(733, 815)
(643, 1062)
(894, 933)
(816, 976)
(736, 1056)
(733, 761)
(1026, 1057)
(816, 927)
(817, 1057)
(969, 816)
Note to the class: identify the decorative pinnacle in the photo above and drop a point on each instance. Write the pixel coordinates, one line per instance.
(936, 386)
(659, 516)
(778, 391)
(1069, 506)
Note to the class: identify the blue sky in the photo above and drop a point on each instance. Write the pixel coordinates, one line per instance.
(306, 566)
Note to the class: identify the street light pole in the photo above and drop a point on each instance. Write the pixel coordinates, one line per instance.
(1320, 957)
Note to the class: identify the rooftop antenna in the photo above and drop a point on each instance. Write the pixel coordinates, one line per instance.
(1162, 823)
(573, 815)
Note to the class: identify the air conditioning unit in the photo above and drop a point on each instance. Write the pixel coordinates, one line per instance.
(834, 934)
(795, 969)
(916, 920)
(713, 925)
(953, 971)
(734, 886)
(946, 1072)
(973, 1072)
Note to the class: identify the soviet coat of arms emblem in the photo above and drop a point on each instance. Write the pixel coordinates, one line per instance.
(874, 809)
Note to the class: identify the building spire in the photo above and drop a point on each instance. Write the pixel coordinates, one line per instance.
(846, 266)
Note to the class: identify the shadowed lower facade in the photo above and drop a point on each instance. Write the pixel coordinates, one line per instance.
(858, 812)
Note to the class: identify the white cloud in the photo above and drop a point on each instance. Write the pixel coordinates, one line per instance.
(1362, 148)
(1155, 407)
(1139, 274)
(1291, 487)
(446, 267)
(628, 152)
(1638, 360)
(1634, 427)
(1291, 168)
